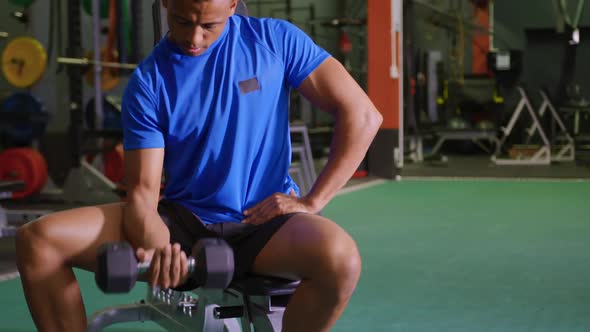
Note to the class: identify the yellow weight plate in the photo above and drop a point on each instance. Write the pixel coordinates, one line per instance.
(24, 61)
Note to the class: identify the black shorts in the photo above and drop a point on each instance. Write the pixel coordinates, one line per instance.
(247, 240)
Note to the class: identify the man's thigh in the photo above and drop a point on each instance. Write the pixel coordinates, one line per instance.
(75, 235)
(301, 245)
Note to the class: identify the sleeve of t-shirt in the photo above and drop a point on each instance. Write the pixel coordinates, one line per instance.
(301, 55)
(139, 113)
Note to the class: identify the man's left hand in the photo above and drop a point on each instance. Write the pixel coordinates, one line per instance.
(274, 206)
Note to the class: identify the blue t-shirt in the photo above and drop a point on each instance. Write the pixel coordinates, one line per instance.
(222, 117)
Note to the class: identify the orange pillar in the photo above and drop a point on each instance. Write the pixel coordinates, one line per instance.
(480, 42)
(384, 88)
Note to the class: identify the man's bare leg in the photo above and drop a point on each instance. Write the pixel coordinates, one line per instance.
(48, 248)
(325, 257)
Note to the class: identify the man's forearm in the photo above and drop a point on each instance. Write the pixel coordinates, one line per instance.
(353, 134)
(142, 224)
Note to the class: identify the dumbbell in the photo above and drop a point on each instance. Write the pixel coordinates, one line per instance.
(211, 264)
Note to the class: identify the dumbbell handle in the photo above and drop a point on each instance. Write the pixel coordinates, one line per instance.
(144, 266)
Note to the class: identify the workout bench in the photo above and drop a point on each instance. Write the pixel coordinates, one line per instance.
(220, 302)
(253, 304)
(10, 219)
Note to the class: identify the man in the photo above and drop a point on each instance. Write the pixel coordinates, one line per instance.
(209, 106)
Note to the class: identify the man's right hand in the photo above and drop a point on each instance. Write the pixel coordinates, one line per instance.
(168, 268)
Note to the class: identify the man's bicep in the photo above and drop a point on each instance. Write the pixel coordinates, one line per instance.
(330, 87)
(143, 170)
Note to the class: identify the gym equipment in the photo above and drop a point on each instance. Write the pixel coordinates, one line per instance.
(111, 113)
(542, 156)
(113, 164)
(302, 149)
(84, 184)
(565, 152)
(87, 185)
(112, 158)
(24, 61)
(23, 181)
(6, 189)
(26, 165)
(469, 113)
(88, 62)
(474, 135)
(11, 219)
(23, 117)
(256, 303)
(211, 265)
(108, 76)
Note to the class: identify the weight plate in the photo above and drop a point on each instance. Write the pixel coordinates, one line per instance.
(113, 164)
(24, 61)
(111, 111)
(23, 132)
(24, 164)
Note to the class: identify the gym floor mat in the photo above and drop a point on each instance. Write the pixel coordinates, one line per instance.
(440, 256)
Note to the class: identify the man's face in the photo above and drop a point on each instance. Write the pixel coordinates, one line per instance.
(195, 25)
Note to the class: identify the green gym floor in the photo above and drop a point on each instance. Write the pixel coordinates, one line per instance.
(469, 255)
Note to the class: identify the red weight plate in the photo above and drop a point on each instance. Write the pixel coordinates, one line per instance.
(19, 164)
(40, 169)
(113, 164)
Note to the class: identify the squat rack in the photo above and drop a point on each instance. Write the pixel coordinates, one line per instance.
(84, 183)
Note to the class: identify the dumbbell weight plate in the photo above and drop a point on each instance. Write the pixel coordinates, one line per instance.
(117, 267)
(116, 270)
(214, 263)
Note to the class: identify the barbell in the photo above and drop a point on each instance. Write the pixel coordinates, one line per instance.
(90, 62)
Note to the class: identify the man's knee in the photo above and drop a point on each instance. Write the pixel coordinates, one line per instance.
(342, 257)
(340, 264)
(33, 243)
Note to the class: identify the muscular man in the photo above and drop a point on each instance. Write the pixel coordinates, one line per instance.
(209, 106)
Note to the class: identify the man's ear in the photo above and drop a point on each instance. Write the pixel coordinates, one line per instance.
(234, 5)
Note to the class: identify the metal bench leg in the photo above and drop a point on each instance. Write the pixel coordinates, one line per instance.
(140, 312)
(267, 321)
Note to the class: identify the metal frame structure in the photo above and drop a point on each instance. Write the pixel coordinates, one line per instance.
(567, 151)
(255, 304)
(10, 219)
(543, 154)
